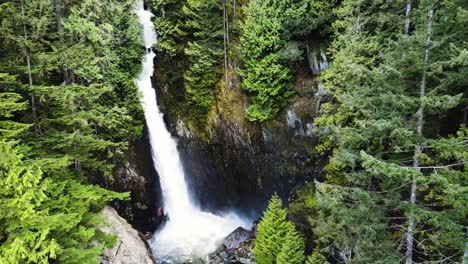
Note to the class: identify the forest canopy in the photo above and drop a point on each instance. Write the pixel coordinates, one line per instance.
(389, 79)
(68, 107)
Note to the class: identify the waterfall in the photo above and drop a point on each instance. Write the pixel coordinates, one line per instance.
(189, 232)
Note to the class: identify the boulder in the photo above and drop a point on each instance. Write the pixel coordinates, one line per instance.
(130, 247)
(238, 236)
(237, 248)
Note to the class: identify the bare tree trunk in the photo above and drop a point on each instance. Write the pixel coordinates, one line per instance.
(58, 18)
(419, 128)
(226, 39)
(37, 127)
(465, 252)
(234, 12)
(408, 17)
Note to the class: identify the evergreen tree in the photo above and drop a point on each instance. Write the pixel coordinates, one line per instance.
(264, 40)
(373, 125)
(46, 219)
(316, 258)
(9, 104)
(169, 23)
(204, 52)
(69, 102)
(292, 250)
(277, 240)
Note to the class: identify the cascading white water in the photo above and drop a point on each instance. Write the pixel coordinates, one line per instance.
(189, 232)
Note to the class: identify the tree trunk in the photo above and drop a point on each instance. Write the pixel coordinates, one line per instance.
(419, 128)
(226, 39)
(234, 12)
(465, 250)
(58, 19)
(37, 127)
(408, 17)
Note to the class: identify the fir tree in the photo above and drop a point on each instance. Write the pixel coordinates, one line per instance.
(69, 102)
(204, 52)
(292, 250)
(316, 258)
(265, 35)
(277, 240)
(46, 219)
(375, 126)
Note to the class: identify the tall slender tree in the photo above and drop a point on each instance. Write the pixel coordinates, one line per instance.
(374, 133)
(419, 129)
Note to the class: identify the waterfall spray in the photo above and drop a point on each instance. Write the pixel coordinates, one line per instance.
(189, 232)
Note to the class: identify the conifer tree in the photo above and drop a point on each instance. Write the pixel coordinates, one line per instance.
(277, 240)
(69, 102)
(45, 219)
(316, 258)
(292, 250)
(266, 75)
(375, 128)
(9, 104)
(204, 52)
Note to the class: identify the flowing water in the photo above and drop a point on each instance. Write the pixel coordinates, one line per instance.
(189, 233)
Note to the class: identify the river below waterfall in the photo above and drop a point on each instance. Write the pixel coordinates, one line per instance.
(189, 233)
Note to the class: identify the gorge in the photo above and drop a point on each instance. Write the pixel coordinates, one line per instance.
(188, 232)
(233, 131)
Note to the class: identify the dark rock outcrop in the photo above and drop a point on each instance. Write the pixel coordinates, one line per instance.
(237, 237)
(242, 170)
(237, 247)
(137, 176)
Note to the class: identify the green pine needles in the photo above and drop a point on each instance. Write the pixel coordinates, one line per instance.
(68, 108)
(45, 219)
(277, 239)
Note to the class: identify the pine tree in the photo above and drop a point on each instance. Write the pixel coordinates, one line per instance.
(375, 124)
(204, 52)
(266, 33)
(45, 219)
(292, 250)
(9, 104)
(87, 116)
(69, 102)
(169, 23)
(277, 240)
(316, 258)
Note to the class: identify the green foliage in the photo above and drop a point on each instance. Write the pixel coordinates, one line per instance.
(303, 209)
(277, 240)
(190, 39)
(265, 36)
(66, 70)
(204, 51)
(10, 103)
(316, 258)
(169, 23)
(292, 250)
(370, 127)
(47, 218)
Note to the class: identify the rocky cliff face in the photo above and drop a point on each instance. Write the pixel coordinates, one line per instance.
(236, 164)
(137, 176)
(235, 170)
(130, 248)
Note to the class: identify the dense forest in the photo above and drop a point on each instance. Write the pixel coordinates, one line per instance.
(392, 117)
(69, 105)
(388, 81)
